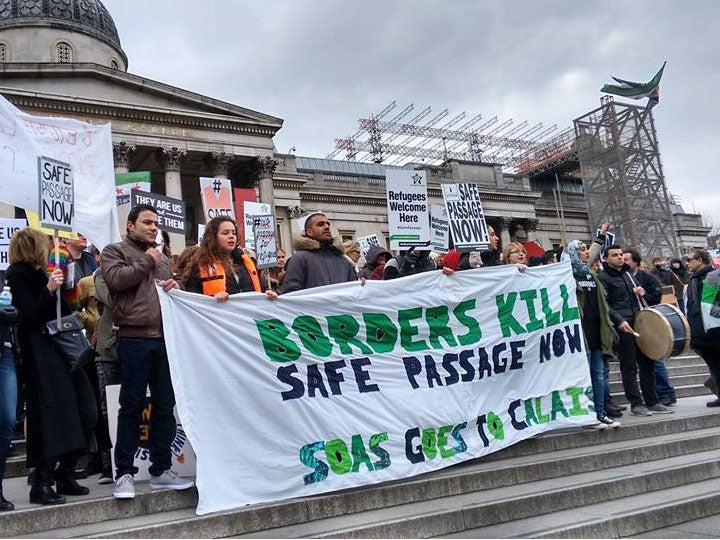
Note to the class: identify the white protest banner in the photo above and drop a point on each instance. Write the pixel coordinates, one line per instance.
(57, 194)
(327, 388)
(216, 195)
(183, 457)
(171, 212)
(250, 210)
(467, 219)
(265, 241)
(8, 227)
(439, 228)
(87, 148)
(366, 242)
(408, 209)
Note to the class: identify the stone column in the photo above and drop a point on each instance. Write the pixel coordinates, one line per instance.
(504, 231)
(218, 163)
(531, 228)
(171, 160)
(122, 152)
(265, 176)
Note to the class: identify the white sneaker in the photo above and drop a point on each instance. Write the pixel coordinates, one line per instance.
(170, 480)
(124, 487)
(608, 422)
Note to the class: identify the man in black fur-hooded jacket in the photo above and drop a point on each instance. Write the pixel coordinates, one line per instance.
(318, 258)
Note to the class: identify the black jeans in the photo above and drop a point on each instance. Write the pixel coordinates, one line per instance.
(143, 362)
(631, 358)
(711, 354)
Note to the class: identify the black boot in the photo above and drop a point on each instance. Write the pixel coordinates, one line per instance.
(44, 494)
(5, 505)
(67, 485)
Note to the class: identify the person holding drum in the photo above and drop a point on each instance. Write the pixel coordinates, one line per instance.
(623, 300)
(653, 295)
(705, 343)
(597, 327)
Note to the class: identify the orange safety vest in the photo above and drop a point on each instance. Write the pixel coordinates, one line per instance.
(215, 283)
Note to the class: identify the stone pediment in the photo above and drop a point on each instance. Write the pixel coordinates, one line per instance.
(99, 87)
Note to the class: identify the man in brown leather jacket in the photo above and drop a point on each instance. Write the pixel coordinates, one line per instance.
(131, 269)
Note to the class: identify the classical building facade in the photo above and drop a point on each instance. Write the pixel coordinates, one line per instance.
(64, 58)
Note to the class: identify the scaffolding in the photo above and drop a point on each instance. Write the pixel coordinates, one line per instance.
(623, 178)
(436, 140)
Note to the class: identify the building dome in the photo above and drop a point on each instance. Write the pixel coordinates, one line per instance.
(66, 17)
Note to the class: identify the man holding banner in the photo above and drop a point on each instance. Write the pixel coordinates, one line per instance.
(319, 257)
(131, 268)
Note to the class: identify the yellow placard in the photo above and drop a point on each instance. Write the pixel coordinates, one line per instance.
(34, 222)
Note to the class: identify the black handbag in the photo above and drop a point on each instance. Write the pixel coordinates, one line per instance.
(70, 342)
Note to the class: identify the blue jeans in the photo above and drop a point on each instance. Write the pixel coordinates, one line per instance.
(596, 361)
(663, 386)
(143, 363)
(8, 404)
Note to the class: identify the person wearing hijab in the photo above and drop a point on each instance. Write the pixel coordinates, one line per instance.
(597, 327)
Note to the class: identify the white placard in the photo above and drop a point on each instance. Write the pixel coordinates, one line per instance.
(408, 209)
(8, 227)
(265, 234)
(57, 194)
(252, 209)
(216, 195)
(328, 388)
(183, 457)
(467, 220)
(366, 242)
(439, 228)
(88, 150)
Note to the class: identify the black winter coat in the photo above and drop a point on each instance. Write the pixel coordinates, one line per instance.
(61, 411)
(623, 303)
(698, 336)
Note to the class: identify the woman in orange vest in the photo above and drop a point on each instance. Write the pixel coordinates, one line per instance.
(219, 267)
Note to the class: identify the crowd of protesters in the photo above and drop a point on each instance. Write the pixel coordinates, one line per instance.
(115, 295)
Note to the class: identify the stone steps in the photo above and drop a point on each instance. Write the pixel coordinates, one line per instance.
(545, 474)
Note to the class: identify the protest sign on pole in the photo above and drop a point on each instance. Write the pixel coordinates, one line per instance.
(250, 210)
(265, 241)
(57, 194)
(467, 220)
(56, 188)
(366, 242)
(408, 209)
(86, 148)
(346, 391)
(8, 227)
(439, 228)
(171, 212)
(216, 195)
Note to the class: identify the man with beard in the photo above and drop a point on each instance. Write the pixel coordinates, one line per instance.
(318, 258)
(622, 298)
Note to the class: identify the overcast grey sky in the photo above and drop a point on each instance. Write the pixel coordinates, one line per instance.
(322, 64)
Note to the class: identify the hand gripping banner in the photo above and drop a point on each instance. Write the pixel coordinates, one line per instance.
(349, 385)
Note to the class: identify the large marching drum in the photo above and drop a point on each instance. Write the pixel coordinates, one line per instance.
(664, 331)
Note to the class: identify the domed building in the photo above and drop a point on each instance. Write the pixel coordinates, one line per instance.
(64, 58)
(59, 31)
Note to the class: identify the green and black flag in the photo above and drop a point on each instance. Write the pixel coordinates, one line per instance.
(634, 90)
